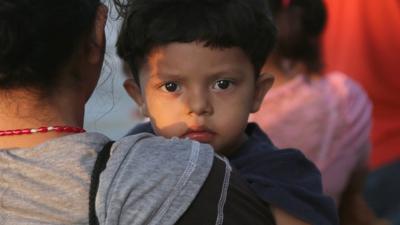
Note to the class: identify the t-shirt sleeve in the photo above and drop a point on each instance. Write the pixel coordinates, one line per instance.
(150, 179)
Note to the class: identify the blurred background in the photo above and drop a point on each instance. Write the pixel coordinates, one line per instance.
(110, 110)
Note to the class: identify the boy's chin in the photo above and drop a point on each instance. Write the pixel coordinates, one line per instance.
(226, 151)
(232, 148)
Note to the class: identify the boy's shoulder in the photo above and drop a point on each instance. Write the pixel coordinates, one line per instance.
(259, 155)
(144, 127)
(259, 144)
(284, 178)
(257, 139)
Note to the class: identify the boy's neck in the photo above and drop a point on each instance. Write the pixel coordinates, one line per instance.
(234, 147)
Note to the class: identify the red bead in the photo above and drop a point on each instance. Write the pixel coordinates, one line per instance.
(17, 132)
(57, 128)
(68, 129)
(26, 131)
(43, 129)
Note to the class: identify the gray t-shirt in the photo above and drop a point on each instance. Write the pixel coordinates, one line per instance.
(147, 179)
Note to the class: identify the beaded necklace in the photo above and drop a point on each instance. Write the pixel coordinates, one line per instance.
(60, 129)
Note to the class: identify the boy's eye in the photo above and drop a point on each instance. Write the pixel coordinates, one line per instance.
(222, 84)
(170, 87)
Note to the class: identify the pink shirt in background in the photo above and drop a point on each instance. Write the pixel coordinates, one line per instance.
(328, 119)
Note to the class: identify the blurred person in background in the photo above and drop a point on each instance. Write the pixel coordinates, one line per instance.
(327, 117)
(362, 39)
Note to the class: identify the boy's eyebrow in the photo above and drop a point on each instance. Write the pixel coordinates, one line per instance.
(177, 75)
(232, 71)
(172, 76)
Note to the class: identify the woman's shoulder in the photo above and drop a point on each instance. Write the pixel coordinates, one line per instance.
(352, 98)
(344, 85)
(154, 177)
(149, 148)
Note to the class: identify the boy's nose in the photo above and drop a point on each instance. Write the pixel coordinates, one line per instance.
(199, 104)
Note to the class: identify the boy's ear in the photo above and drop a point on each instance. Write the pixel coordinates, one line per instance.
(134, 91)
(263, 84)
(98, 38)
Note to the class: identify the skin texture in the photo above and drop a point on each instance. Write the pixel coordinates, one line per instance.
(207, 98)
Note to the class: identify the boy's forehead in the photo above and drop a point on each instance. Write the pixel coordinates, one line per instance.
(175, 57)
(183, 49)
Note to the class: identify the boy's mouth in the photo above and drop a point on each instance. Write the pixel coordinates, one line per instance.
(200, 135)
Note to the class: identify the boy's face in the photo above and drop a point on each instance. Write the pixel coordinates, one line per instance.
(205, 94)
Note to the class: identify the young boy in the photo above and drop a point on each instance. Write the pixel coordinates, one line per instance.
(196, 74)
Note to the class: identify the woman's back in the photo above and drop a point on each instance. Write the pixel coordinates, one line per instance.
(327, 118)
(48, 184)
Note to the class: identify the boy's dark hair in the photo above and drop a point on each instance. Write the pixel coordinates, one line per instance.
(300, 24)
(38, 37)
(149, 24)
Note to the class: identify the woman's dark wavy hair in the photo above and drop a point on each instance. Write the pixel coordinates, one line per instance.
(148, 24)
(300, 24)
(38, 37)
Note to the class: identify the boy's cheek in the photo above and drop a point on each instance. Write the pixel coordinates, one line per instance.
(168, 128)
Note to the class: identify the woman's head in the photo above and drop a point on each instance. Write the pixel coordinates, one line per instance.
(300, 24)
(39, 39)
